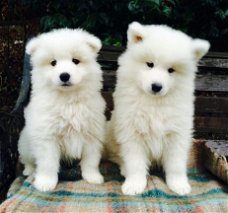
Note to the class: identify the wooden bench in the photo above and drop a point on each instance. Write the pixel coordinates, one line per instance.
(211, 108)
(211, 105)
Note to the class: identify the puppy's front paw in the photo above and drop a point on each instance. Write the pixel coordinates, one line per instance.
(45, 182)
(134, 185)
(93, 177)
(179, 185)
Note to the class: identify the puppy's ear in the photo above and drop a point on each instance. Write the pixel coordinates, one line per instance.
(135, 33)
(31, 46)
(200, 48)
(94, 43)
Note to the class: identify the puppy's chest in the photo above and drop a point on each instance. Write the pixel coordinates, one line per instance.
(152, 130)
(71, 119)
(150, 123)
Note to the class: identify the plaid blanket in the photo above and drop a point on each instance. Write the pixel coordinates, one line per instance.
(75, 195)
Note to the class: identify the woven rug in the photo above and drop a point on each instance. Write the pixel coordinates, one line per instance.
(75, 195)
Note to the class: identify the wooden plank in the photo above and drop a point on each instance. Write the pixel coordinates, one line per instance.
(204, 124)
(108, 56)
(109, 79)
(214, 63)
(114, 49)
(212, 83)
(215, 60)
(109, 100)
(217, 54)
(211, 60)
(202, 104)
(211, 105)
(208, 83)
(109, 104)
(211, 124)
(210, 54)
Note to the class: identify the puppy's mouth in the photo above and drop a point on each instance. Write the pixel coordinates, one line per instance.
(158, 94)
(67, 84)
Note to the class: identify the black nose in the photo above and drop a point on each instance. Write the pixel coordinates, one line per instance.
(64, 77)
(156, 87)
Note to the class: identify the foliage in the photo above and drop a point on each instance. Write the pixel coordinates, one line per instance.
(109, 19)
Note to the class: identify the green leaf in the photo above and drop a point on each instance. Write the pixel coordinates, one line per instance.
(158, 2)
(133, 6)
(166, 11)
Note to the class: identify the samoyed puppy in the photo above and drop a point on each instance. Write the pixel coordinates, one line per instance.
(65, 117)
(152, 123)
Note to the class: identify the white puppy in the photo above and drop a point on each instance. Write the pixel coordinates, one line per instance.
(65, 116)
(153, 118)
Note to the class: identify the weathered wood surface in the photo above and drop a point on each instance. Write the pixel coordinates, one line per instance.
(212, 83)
(206, 82)
(217, 123)
(211, 124)
(203, 104)
(215, 60)
(217, 105)
(211, 60)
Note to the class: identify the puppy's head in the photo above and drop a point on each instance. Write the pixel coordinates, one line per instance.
(62, 59)
(160, 59)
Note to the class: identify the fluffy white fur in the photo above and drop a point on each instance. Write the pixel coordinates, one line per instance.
(63, 119)
(149, 128)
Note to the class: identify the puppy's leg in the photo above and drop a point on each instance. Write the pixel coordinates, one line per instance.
(47, 156)
(135, 168)
(91, 156)
(175, 164)
(26, 158)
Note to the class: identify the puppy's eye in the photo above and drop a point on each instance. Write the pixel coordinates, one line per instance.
(171, 70)
(75, 61)
(150, 64)
(53, 63)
